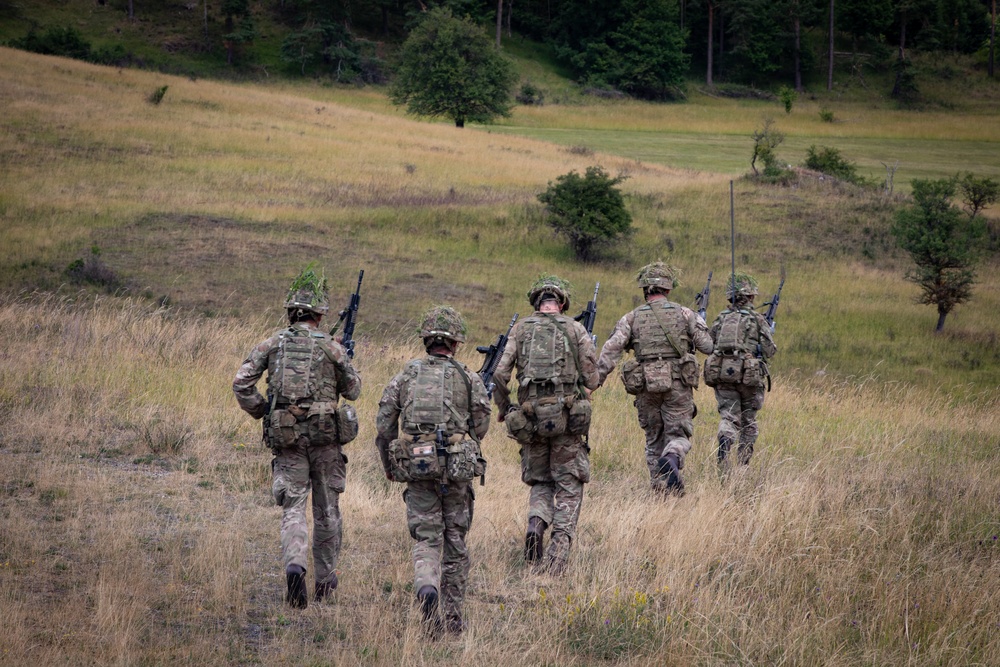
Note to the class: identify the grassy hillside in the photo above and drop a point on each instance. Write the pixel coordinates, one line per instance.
(137, 526)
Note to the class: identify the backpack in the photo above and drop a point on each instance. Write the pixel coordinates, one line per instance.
(546, 348)
(296, 374)
(732, 361)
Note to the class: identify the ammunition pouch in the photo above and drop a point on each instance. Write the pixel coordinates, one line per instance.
(519, 427)
(578, 417)
(422, 458)
(632, 377)
(754, 372)
(688, 370)
(659, 375)
(282, 431)
(347, 423)
(722, 368)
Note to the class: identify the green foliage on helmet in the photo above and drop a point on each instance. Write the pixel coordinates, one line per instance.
(659, 274)
(746, 285)
(443, 322)
(309, 292)
(554, 285)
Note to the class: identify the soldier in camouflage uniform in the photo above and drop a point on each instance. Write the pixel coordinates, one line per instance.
(738, 369)
(307, 373)
(444, 412)
(663, 335)
(556, 368)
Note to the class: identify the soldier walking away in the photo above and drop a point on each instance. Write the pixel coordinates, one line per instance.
(663, 374)
(556, 370)
(737, 369)
(307, 374)
(443, 411)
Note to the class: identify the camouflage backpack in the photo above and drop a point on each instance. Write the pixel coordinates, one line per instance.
(431, 400)
(733, 361)
(296, 373)
(547, 349)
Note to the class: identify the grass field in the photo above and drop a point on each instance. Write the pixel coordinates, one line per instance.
(134, 494)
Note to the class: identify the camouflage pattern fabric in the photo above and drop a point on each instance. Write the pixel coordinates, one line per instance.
(667, 418)
(439, 523)
(302, 467)
(555, 468)
(739, 403)
(438, 518)
(738, 407)
(297, 471)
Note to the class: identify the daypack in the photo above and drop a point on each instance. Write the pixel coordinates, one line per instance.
(296, 373)
(733, 361)
(549, 355)
(430, 394)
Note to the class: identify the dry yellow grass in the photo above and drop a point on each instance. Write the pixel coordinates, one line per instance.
(138, 528)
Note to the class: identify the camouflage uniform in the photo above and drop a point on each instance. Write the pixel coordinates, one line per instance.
(555, 468)
(666, 416)
(308, 459)
(438, 512)
(739, 402)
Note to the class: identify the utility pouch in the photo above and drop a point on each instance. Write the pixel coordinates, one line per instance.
(282, 432)
(578, 419)
(659, 374)
(712, 370)
(399, 460)
(550, 416)
(424, 460)
(753, 372)
(519, 426)
(687, 370)
(731, 369)
(347, 423)
(632, 377)
(462, 459)
(321, 424)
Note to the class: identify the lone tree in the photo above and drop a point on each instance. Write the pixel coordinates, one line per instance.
(944, 244)
(449, 67)
(589, 210)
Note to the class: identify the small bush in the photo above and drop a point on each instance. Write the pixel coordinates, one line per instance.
(826, 115)
(787, 96)
(156, 96)
(829, 161)
(94, 271)
(530, 94)
(589, 210)
(55, 41)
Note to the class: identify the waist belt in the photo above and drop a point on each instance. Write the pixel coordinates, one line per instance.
(658, 357)
(452, 439)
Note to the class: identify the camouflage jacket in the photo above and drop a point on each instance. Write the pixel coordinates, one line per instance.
(338, 376)
(686, 327)
(762, 335)
(513, 358)
(399, 393)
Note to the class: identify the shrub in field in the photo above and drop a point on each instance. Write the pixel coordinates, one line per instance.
(589, 210)
(978, 193)
(530, 94)
(449, 67)
(829, 161)
(55, 41)
(93, 271)
(944, 244)
(787, 96)
(766, 140)
(156, 96)
(826, 115)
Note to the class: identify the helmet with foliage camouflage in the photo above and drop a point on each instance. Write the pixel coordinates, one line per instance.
(551, 285)
(745, 285)
(308, 292)
(443, 322)
(659, 275)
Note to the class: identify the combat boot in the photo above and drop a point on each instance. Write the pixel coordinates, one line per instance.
(533, 539)
(744, 452)
(295, 577)
(325, 590)
(670, 473)
(725, 443)
(454, 625)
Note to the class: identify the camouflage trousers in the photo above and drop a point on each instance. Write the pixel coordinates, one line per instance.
(738, 406)
(667, 418)
(556, 469)
(439, 523)
(298, 470)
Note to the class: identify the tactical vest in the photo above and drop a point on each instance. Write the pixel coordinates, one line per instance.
(301, 370)
(739, 332)
(437, 397)
(649, 338)
(548, 352)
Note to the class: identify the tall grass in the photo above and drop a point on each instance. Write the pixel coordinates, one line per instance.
(863, 532)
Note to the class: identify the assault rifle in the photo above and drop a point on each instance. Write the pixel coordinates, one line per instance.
(701, 299)
(492, 359)
(589, 315)
(772, 305)
(348, 316)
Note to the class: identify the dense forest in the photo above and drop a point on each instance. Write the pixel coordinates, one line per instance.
(641, 48)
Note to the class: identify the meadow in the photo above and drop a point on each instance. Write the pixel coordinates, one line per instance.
(137, 523)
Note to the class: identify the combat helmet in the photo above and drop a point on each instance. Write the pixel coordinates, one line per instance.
(658, 274)
(746, 286)
(443, 322)
(308, 292)
(555, 286)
